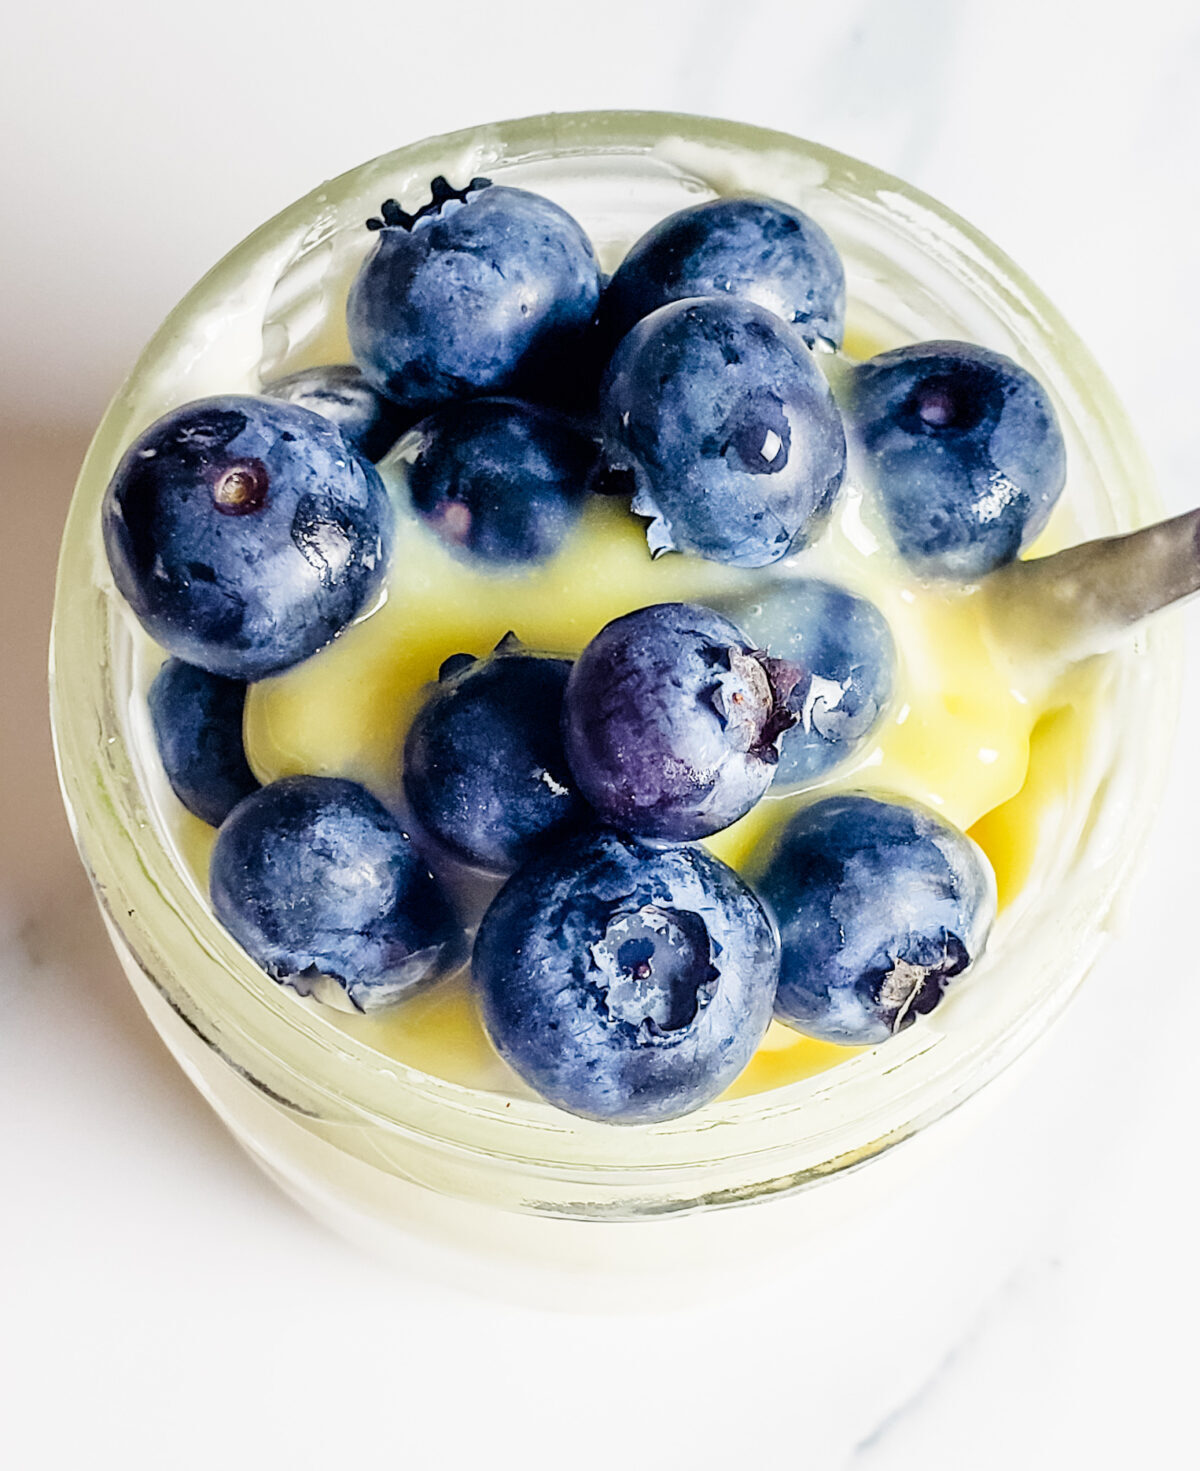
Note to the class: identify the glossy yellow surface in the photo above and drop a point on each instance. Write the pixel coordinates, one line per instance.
(345, 711)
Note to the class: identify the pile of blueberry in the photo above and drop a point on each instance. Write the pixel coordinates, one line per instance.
(622, 970)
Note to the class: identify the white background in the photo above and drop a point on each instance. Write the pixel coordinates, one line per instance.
(160, 1305)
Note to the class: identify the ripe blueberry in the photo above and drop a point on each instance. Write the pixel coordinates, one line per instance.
(844, 646)
(624, 984)
(880, 904)
(484, 768)
(501, 481)
(486, 290)
(963, 449)
(370, 423)
(197, 720)
(722, 417)
(760, 249)
(315, 879)
(672, 721)
(245, 533)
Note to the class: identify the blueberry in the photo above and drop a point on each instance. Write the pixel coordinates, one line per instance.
(486, 290)
(499, 480)
(672, 720)
(760, 249)
(370, 423)
(197, 720)
(879, 904)
(963, 449)
(245, 534)
(624, 984)
(726, 424)
(314, 878)
(845, 648)
(484, 769)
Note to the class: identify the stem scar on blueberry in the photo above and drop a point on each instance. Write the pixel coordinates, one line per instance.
(454, 522)
(760, 708)
(936, 406)
(911, 989)
(241, 488)
(441, 191)
(654, 968)
(784, 677)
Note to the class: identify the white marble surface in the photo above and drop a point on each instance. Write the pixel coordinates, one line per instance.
(1032, 1304)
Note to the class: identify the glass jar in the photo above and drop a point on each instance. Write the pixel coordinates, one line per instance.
(383, 1151)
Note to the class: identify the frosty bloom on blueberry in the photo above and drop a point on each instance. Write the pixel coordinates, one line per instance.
(880, 904)
(485, 290)
(317, 882)
(624, 984)
(962, 447)
(724, 421)
(484, 767)
(760, 249)
(672, 721)
(245, 533)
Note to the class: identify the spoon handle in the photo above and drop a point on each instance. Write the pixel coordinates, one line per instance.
(1081, 600)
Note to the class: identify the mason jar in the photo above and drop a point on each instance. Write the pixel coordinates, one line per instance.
(393, 1156)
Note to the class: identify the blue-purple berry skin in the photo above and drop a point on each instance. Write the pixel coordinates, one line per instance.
(843, 644)
(880, 905)
(625, 984)
(671, 722)
(502, 483)
(963, 449)
(315, 879)
(370, 423)
(719, 414)
(245, 534)
(484, 769)
(491, 290)
(760, 249)
(197, 721)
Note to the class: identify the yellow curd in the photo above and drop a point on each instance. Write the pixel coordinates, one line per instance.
(972, 730)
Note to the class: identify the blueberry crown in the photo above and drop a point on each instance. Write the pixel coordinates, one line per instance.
(441, 191)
